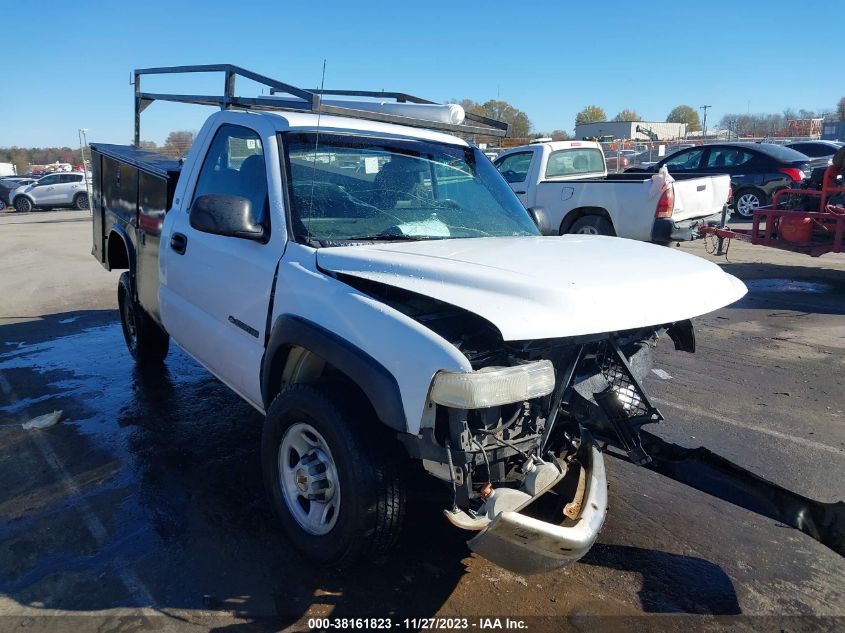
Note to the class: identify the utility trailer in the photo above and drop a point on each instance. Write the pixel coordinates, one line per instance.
(813, 233)
(132, 191)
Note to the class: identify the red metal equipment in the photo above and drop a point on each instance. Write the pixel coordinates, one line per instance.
(828, 223)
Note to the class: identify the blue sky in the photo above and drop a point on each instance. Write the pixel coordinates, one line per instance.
(549, 59)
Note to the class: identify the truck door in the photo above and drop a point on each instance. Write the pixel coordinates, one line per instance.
(515, 167)
(215, 290)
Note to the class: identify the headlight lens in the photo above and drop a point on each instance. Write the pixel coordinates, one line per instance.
(493, 386)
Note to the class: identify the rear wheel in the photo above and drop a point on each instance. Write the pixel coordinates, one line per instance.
(747, 200)
(592, 225)
(2, 205)
(146, 341)
(23, 205)
(333, 484)
(80, 201)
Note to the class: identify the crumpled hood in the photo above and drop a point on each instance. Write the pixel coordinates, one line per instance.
(547, 287)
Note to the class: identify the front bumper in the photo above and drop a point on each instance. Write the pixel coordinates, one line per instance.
(527, 545)
(667, 230)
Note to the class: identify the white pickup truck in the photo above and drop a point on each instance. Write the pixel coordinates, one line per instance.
(372, 285)
(566, 187)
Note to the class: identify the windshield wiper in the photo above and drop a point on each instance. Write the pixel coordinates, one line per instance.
(386, 237)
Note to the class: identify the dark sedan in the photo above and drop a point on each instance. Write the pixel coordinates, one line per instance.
(816, 149)
(757, 170)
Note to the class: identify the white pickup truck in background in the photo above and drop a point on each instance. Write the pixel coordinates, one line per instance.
(566, 188)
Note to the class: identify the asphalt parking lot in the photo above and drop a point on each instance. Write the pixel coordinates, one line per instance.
(144, 505)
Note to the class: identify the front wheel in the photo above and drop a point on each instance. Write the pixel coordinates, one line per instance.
(80, 201)
(146, 341)
(746, 201)
(23, 205)
(332, 484)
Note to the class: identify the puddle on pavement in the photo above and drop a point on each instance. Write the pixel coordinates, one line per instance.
(169, 463)
(787, 285)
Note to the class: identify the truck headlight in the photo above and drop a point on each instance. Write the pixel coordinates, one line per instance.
(492, 386)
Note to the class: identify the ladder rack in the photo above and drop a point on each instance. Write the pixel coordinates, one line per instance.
(300, 100)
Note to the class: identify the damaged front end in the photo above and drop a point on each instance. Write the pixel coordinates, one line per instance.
(518, 440)
(524, 458)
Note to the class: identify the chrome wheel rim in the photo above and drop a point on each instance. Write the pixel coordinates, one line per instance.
(82, 202)
(308, 479)
(746, 204)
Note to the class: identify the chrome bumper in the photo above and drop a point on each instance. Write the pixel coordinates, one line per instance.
(527, 545)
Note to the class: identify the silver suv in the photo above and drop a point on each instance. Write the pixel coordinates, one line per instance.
(65, 189)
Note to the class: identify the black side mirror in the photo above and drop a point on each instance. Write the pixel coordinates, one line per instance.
(541, 219)
(226, 215)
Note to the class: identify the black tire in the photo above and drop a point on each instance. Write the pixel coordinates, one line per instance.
(23, 205)
(146, 341)
(80, 201)
(592, 225)
(746, 200)
(2, 205)
(371, 494)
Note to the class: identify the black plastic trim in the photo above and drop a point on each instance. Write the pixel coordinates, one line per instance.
(377, 383)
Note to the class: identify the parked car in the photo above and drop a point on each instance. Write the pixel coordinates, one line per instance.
(816, 149)
(649, 157)
(8, 185)
(67, 189)
(757, 170)
(567, 183)
(409, 311)
(618, 160)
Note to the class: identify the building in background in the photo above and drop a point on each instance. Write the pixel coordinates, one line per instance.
(833, 131)
(637, 130)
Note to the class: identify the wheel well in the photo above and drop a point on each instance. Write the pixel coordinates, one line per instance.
(751, 189)
(300, 350)
(117, 255)
(577, 214)
(294, 364)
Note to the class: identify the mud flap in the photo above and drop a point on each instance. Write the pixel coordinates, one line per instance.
(703, 470)
(527, 545)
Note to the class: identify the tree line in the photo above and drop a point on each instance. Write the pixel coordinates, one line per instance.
(741, 124)
(175, 145)
(179, 142)
(679, 114)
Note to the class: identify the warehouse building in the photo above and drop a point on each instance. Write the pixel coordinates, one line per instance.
(639, 130)
(833, 130)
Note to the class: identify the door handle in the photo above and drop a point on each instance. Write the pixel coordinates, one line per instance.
(179, 242)
(519, 192)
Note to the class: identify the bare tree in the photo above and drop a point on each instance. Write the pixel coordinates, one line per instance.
(178, 143)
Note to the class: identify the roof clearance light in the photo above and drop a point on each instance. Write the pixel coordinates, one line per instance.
(493, 386)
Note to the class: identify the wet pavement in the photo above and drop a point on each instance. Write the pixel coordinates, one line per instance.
(144, 507)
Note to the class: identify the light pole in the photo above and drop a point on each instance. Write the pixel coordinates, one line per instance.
(83, 142)
(704, 108)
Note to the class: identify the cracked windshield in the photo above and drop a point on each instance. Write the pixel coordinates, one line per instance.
(349, 189)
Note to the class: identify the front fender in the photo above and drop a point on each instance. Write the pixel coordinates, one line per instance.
(402, 348)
